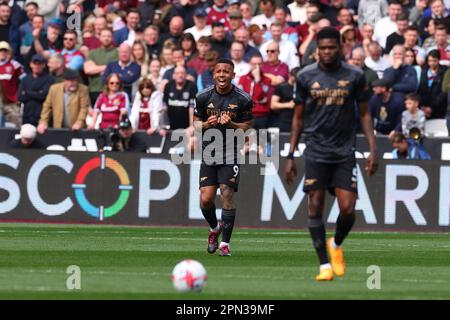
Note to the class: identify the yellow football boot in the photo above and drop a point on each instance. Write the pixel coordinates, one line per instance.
(337, 258)
(325, 275)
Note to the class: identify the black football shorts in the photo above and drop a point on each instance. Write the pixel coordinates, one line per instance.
(227, 174)
(328, 176)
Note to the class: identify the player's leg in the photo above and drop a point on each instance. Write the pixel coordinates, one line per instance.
(344, 180)
(208, 191)
(228, 217)
(228, 177)
(316, 184)
(316, 199)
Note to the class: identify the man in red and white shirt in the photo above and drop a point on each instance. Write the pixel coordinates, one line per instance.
(10, 73)
(257, 85)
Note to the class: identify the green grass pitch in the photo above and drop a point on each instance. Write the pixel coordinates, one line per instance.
(136, 263)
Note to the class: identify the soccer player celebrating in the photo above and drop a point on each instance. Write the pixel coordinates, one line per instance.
(222, 106)
(325, 97)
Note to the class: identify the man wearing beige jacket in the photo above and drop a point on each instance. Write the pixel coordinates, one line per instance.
(67, 104)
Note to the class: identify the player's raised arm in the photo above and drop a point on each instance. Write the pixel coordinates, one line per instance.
(367, 126)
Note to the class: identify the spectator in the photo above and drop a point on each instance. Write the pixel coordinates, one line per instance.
(151, 39)
(288, 51)
(258, 87)
(308, 48)
(276, 70)
(179, 96)
(386, 108)
(256, 36)
(97, 61)
(387, 25)
(397, 37)
(10, 73)
(128, 33)
(167, 57)
(243, 36)
(112, 103)
(155, 74)
(178, 60)
(114, 19)
(288, 32)
(416, 13)
(411, 38)
(140, 56)
(184, 9)
(27, 139)
(367, 37)
(93, 41)
(218, 12)
(48, 8)
(128, 71)
(442, 45)
(56, 67)
(283, 101)
(410, 60)
(198, 62)
(298, 10)
(74, 57)
(349, 41)
(189, 46)
(331, 11)
(267, 17)
(206, 78)
(37, 23)
(376, 61)
(34, 89)
(48, 43)
(312, 16)
(66, 105)
(241, 67)
(176, 28)
(357, 59)
(8, 32)
(31, 9)
(408, 148)
(148, 112)
(438, 12)
(413, 117)
(247, 13)
(234, 22)
(219, 42)
(402, 76)
(433, 100)
(200, 27)
(371, 11)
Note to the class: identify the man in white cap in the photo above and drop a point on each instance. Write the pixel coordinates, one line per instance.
(27, 139)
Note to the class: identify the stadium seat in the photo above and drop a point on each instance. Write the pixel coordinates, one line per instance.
(436, 128)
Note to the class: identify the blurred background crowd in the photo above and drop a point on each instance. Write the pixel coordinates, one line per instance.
(89, 64)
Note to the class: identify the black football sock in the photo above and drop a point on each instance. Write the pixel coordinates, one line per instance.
(344, 224)
(210, 216)
(317, 231)
(227, 224)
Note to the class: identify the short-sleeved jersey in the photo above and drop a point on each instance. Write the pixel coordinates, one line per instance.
(237, 104)
(178, 103)
(110, 107)
(330, 99)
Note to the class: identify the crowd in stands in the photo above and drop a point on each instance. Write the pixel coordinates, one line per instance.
(82, 64)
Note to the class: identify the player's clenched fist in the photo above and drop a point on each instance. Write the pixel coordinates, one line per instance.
(224, 119)
(212, 121)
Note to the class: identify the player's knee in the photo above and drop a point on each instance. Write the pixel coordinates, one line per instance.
(315, 209)
(206, 201)
(347, 208)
